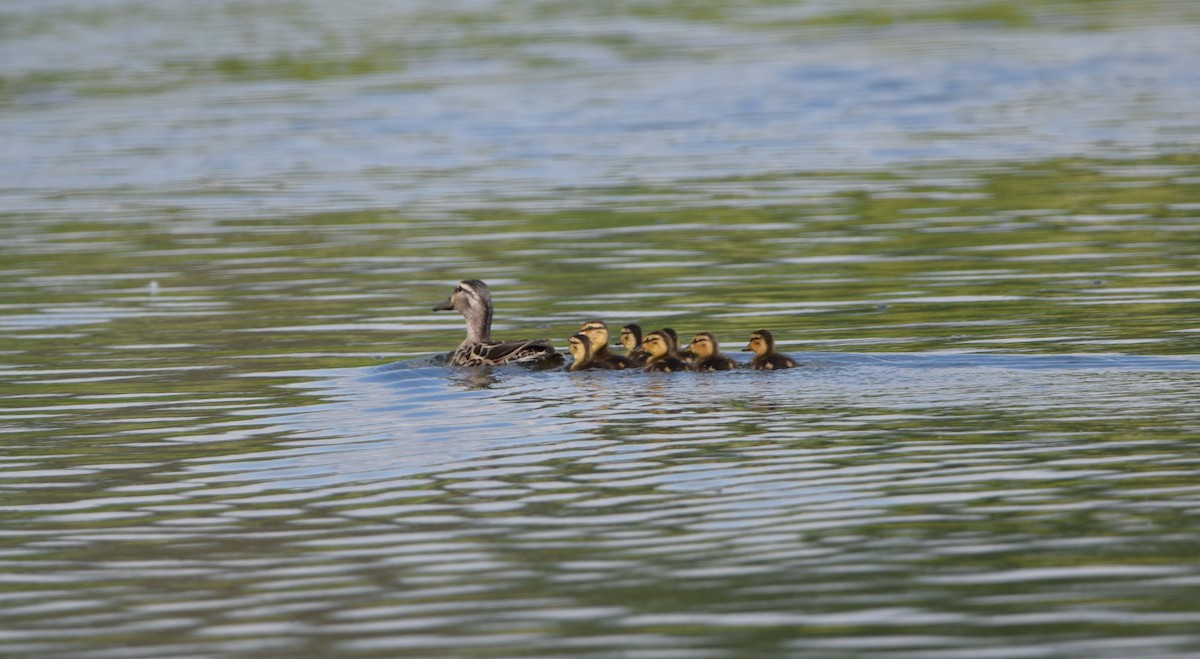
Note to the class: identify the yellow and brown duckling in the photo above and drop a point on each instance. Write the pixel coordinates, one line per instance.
(658, 345)
(597, 332)
(762, 344)
(683, 352)
(631, 338)
(580, 347)
(473, 300)
(708, 355)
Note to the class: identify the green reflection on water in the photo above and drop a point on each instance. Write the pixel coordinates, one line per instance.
(1066, 256)
(1053, 257)
(397, 38)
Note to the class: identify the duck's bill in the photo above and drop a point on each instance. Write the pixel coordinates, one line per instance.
(747, 348)
(443, 306)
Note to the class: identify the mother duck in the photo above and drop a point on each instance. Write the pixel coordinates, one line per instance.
(473, 299)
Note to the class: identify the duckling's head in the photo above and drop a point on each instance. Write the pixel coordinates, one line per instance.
(704, 345)
(631, 336)
(761, 342)
(673, 336)
(580, 347)
(657, 343)
(597, 332)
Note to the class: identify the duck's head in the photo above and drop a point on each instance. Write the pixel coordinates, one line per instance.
(597, 332)
(580, 347)
(704, 345)
(468, 295)
(473, 300)
(631, 336)
(761, 342)
(657, 343)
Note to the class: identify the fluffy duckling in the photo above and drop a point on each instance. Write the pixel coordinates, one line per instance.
(762, 344)
(473, 299)
(580, 347)
(708, 354)
(662, 356)
(597, 332)
(683, 352)
(673, 336)
(631, 338)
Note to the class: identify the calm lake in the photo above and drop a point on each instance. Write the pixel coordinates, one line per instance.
(228, 431)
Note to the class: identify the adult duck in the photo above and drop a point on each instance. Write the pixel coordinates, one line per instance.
(473, 299)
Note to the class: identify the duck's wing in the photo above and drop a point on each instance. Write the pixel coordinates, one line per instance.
(508, 352)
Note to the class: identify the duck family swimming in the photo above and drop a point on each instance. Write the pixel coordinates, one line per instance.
(654, 351)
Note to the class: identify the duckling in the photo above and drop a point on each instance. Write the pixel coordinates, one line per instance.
(597, 332)
(708, 354)
(673, 336)
(473, 299)
(684, 353)
(762, 344)
(662, 357)
(580, 347)
(631, 338)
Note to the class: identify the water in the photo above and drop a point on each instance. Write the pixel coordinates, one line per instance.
(226, 431)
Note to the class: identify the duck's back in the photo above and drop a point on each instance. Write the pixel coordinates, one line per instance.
(526, 351)
(715, 363)
(616, 362)
(667, 365)
(637, 356)
(772, 361)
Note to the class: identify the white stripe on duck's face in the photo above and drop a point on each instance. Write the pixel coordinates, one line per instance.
(468, 295)
(473, 300)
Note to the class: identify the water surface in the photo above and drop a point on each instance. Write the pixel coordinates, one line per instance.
(226, 430)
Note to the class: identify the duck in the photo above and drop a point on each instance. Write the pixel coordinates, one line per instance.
(580, 347)
(684, 353)
(762, 344)
(673, 336)
(631, 338)
(662, 357)
(708, 354)
(597, 331)
(473, 299)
